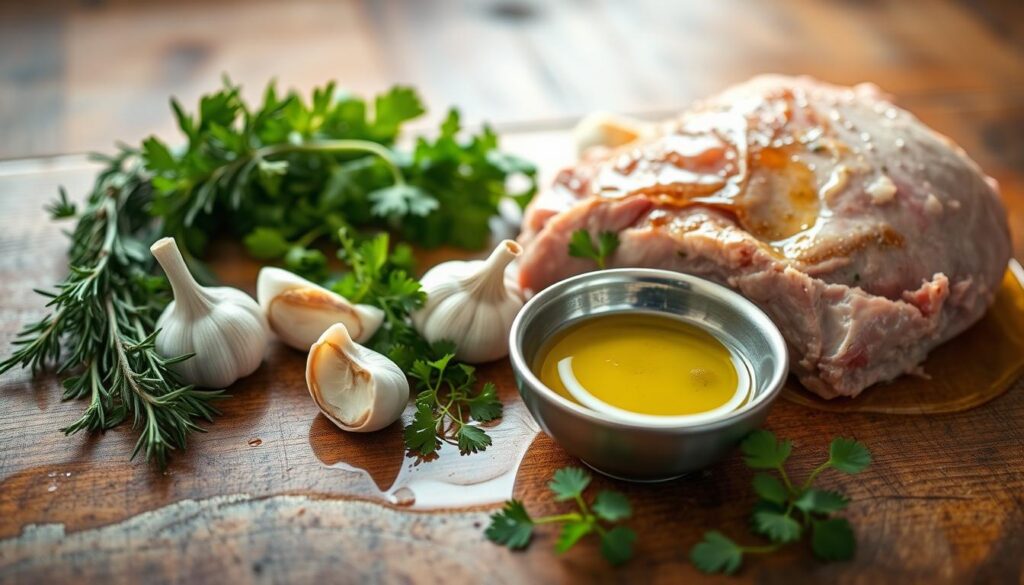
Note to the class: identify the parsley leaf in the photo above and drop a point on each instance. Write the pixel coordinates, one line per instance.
(612, 506)
(401, 200)
(266, 243)
(763, 451)
(581, 246)
(421, 435)
(774, 517)
(821, 501)
(569, 483)
(848, 455)
(512, 526)
(485, 406)
(716, 553)
(617, 545)
(473, 439)
(833, 539)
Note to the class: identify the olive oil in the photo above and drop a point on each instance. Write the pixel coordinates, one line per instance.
(643, 364)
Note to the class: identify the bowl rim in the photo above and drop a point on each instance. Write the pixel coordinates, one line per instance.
(750, 312)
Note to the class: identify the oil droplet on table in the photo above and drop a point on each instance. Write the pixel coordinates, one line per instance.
(448, 479)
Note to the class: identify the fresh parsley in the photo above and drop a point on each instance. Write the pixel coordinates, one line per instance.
(786, 511)
(513, 526)
(582, 246)
(448, 403)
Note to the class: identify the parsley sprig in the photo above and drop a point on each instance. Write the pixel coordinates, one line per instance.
(788, 511)
(513, 526)
(581, 245)
(448, 403)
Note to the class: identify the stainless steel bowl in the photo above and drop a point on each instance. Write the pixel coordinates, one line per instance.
(635, 451)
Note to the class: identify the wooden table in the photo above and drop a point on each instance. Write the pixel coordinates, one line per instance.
(270, 494)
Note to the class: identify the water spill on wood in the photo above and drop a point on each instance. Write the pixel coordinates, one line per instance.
(968, 371)
(445, 480)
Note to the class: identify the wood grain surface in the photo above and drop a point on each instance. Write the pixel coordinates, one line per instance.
(269, 494)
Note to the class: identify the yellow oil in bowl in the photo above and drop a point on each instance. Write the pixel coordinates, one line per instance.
(641, 368)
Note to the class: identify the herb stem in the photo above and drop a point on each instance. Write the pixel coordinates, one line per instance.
(814, 474)
(333, 146)
(570, 517)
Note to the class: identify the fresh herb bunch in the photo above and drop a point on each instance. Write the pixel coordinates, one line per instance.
(447, 403)
(287, 174)
(786, 511)
(287, 177)
(513, 526)
(100, 325)
(581, 245)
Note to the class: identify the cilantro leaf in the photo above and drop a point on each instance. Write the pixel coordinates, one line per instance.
(512, 526)
(777, 526)
(763, 451)
(770, 488)
(716, 553)
(401, 200)
(848, 455)
(571, 533)
(821, 501)
(569, 483)
(472, 439)
(581, 246)
(421, 434)
(157, 156)
(485, 406)
(612, 506)
(833, 539)
(617, 545)
(399, 105)
(265, 243)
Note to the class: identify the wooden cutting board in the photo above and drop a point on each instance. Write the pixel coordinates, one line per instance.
(275, 493)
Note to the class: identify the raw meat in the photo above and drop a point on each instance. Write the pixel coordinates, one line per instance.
(867, 237)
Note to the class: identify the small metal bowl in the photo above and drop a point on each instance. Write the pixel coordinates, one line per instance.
(628, 450)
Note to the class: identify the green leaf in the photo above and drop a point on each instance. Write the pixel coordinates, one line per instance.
(421, 434)
(617, 545)
(611, 506)
(512, 526)
(568, 483)
(607, 243)
(770, 488)
(571, 533)
(399, 105)
(401, 200)
(265, 243)
(778, 527)
(472, 439)
(157, 156)
(763, 451)
(581, 246)
(305, 262)
(848, 455)
(716, 553)
(485, 406)
(821, 501)
(833, 539)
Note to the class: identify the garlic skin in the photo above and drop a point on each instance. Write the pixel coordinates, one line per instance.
(355, 387)
(222, 326)
(299, 311)
(608, 130)
(471, 304)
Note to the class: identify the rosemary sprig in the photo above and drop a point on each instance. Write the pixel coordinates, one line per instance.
(100, 324)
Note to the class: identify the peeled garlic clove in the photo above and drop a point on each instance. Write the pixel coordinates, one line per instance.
(357, 388)
(222, 326)
(471, 304)
(299, 311)
(609, 130)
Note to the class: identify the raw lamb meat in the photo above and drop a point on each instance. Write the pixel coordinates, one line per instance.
(867, 237)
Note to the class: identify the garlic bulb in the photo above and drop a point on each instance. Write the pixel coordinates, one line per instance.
(471, 304)
(222, 326)
(610, 130)
(299, 311)
(357, 388)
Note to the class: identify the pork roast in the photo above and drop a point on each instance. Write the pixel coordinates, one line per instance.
(867, 237)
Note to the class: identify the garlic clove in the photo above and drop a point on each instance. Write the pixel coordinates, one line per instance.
(471, 304)
(222, 326)
(355, 387)
(299, 311)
